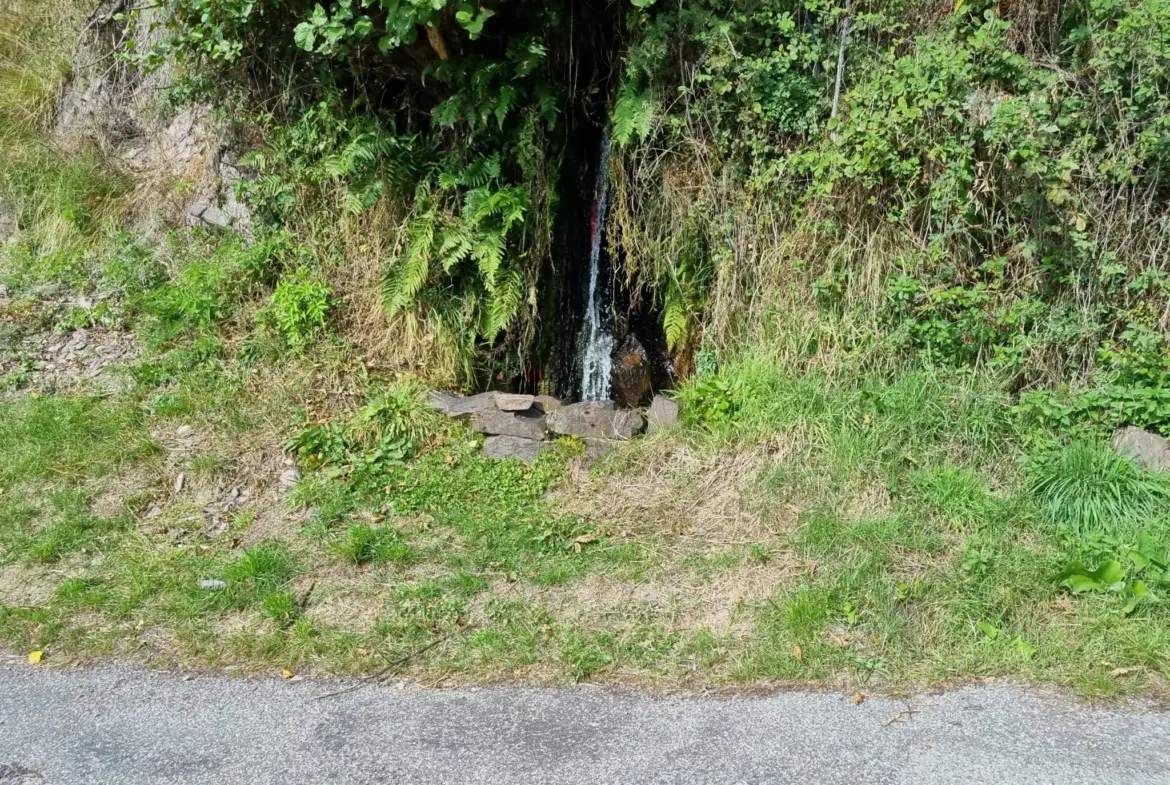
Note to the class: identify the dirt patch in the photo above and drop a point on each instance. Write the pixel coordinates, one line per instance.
(22, 586)
(673, 598)
(84, 361)
(346, 598)
(697, 502)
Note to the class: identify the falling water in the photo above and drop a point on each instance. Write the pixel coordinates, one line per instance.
(596, 360)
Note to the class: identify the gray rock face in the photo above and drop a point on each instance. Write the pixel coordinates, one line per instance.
(114, 105)
(9, 227)
(497, 423)
(1148, 450)
(663, 414)
(506, 402)
(512, 447)
(595, 420)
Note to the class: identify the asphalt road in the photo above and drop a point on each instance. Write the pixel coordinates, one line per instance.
(99, 727)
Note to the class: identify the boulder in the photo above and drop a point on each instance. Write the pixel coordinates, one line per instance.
(1148, 450)
(512, 447)
(595, 420)
(630, 381)
(497, 423)
(663, 414)
(507, 402)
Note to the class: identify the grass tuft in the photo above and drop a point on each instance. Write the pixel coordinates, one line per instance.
(1088, 489)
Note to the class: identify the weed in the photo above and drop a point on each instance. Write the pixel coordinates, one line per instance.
(299, 308)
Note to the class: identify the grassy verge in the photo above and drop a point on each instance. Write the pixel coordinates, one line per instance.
(846, 532)
(250, 494)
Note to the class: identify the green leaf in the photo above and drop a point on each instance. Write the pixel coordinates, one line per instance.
(989, 630)
(1077, 578)
(1023, 647)
(1135, 594)
(305, 35)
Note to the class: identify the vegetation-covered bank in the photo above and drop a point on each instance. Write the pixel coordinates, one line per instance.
(905, 329)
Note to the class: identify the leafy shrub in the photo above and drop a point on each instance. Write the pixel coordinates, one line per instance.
(299, 308)
(1087, 488)
(215, 275)
(389, 428)
(398, 412)
(712, 399)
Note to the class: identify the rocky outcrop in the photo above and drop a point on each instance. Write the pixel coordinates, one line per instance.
(107, 102)
(521, 424)
(595, 420)
(517, 426)
(1148, 450)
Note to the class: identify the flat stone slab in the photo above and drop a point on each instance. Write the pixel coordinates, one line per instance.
(595, 420)
(497, 423)
(508, 402)
(513, 447)
(462, 406)
(663, 414)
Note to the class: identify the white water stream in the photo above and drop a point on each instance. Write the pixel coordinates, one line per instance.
(597, 352)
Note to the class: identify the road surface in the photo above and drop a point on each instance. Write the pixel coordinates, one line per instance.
(127, 726)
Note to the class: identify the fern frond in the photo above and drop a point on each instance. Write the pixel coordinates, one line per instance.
(675, 321)
(413, 267)
(488, 252)
(633, 114)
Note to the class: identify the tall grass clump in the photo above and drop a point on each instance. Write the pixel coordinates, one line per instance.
(1087, 489)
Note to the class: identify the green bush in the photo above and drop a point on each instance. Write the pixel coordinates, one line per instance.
(299, 308)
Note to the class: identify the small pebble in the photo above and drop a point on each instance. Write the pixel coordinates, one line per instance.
(179, 482)
(213, 584)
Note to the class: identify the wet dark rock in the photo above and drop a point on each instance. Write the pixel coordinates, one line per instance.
(513, 447)
(663, 414)
(595, 420)
(1148, 450)
(630, 383)
(497, 423)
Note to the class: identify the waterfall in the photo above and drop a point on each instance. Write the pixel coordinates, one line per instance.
(597, 351)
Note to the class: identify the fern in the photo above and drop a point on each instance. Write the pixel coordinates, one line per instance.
(633, 114)
(413, 268)
(675, 320)
(502, 305)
